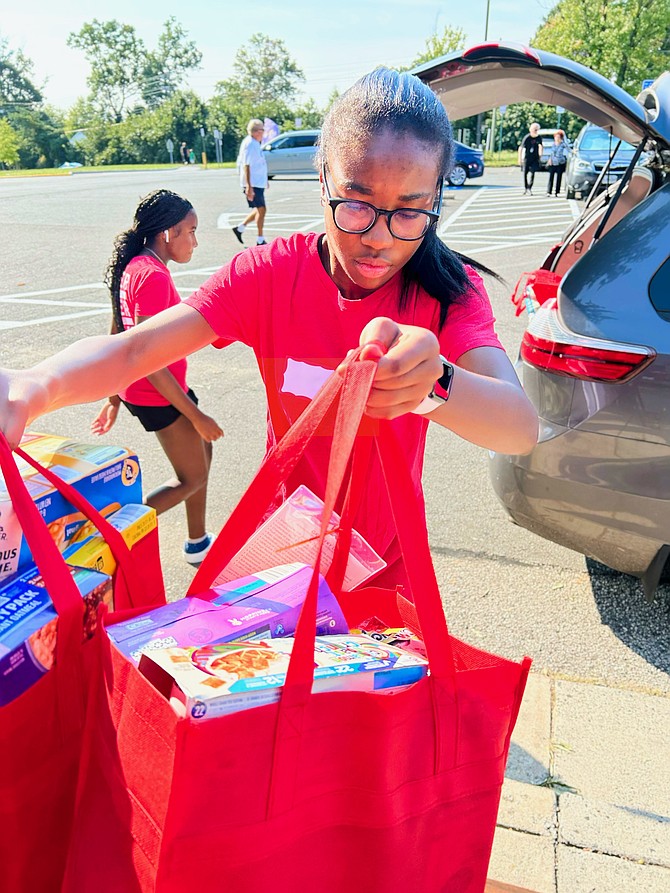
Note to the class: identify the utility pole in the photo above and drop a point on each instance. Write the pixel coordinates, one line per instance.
(478, 137)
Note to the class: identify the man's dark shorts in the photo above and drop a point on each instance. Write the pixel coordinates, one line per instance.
(155, 418)
(258, 201)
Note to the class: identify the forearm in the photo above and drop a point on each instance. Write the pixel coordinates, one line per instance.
(247, 176)
(503, 419)
(167, 386)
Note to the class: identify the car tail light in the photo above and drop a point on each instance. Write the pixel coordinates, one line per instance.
(548, 345)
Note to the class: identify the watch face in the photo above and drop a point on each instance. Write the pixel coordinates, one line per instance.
(447, 374)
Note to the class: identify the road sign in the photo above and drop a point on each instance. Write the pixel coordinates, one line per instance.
(503, 109)
(647, 82)
(560, 109)
(169, 145)
(202, 131)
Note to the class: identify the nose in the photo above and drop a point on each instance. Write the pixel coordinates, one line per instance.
(380, 235)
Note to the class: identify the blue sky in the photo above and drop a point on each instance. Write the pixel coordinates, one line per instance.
(333, 43)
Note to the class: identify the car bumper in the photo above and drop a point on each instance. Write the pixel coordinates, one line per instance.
(586, 504)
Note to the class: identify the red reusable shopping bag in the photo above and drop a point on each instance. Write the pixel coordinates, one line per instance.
(346, 790)
(41, 730)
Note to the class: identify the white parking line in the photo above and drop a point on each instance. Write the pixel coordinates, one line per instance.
(18, 324)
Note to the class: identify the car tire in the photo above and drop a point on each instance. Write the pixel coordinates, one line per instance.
(458, 175)
(569, 192)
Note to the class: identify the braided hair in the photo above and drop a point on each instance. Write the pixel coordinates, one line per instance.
(156, 212)
(402, 104)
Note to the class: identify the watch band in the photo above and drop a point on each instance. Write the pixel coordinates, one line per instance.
(433, 400)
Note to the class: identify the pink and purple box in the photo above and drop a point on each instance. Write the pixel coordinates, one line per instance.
(261, 606)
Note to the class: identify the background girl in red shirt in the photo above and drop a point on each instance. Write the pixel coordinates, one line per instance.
(141, 286)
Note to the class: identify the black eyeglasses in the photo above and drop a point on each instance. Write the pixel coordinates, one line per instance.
(406, 224)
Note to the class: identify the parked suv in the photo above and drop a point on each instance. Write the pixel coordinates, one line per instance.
(292, 153)
(595, 358)
(591, 153)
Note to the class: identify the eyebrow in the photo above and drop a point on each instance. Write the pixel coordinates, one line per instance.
(352, 186)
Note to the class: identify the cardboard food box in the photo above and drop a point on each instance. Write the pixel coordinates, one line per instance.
(107, 476)
(89, 549)
(219, 679)
(260, 606)
(29, 625)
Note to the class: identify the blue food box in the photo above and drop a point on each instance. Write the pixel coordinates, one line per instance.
(260, 606)
(107, 476)
(29, 625)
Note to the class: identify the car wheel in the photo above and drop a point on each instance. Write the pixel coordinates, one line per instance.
(458, 175)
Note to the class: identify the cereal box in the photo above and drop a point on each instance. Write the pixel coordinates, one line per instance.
(107, 476)
(29, 625)
(260, 606)
(219, 679)
(89, 549)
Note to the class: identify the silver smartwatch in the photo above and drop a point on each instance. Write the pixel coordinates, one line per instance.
(433, 400)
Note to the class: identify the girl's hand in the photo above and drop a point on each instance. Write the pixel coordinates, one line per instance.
(106, 417)
(22, 398)
(207, 427)
(408, 368)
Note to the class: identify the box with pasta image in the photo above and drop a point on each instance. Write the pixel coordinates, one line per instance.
(107, 476)
(218, 679)
(29, 625)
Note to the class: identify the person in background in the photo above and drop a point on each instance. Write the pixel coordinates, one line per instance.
(183, 152)
(191, 156)
(140, 285)
(379, 277)
(530, 152)
(253, 170)
(557, 161)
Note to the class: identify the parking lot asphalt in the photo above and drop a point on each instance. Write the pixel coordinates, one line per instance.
(586, 806)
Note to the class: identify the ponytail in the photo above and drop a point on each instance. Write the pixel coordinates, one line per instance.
(156, 212)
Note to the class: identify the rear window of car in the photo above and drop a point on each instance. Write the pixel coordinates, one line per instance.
(600, 140)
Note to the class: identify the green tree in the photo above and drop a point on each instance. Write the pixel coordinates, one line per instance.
(624, 40)
(9, 144)
(16, 84)
(166, 68)
(124, 74)
(450, 40)
(116, 56)
(265, 75)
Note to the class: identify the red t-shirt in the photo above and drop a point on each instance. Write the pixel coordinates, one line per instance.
(146, 289)
(279, 300)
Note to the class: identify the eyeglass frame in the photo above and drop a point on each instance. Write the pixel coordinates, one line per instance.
(433, 216)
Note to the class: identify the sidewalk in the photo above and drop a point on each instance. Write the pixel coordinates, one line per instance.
(586, 803)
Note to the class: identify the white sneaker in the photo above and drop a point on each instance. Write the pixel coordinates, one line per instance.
(195, 553)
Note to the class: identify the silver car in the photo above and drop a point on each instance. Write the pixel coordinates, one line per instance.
(595, 358)
(292, 153)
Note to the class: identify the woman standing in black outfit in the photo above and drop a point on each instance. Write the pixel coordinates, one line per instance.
(530, 152)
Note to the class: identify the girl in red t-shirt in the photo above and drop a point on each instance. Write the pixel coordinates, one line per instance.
(141, 286)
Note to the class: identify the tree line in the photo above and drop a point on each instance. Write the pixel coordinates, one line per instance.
(137, 98)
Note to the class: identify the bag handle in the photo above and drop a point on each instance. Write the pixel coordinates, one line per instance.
(62, 589)
(127, 566)
(413, 538)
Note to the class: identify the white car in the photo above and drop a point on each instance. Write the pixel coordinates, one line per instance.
(292, 153)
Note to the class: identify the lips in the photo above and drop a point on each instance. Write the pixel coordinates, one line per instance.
(372, 268)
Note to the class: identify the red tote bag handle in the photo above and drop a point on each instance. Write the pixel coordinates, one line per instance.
(127, 566)
(62, 589)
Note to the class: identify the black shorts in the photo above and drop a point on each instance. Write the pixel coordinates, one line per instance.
(258, 201)
(155, 418)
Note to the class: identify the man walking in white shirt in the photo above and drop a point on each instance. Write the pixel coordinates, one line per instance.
(253, 179)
